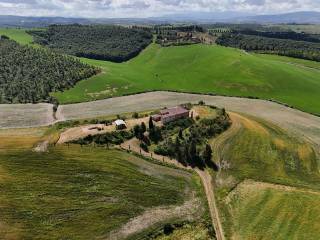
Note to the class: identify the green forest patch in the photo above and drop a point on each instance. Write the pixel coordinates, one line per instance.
(81, 193)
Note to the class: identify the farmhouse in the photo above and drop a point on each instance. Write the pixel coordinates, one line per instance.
(171, 114)
(120, 124)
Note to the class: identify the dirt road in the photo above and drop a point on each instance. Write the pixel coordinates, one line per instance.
(206, 179)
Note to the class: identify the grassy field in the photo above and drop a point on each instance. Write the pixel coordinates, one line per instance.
(264, 152)
(80, 193)
(260, 212)
(205, 69)
(18, 35)
(202, 69)
(267, 155)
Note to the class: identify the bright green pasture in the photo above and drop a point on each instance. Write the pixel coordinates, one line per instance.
(81, 193)
(205, 69)
(17, 34)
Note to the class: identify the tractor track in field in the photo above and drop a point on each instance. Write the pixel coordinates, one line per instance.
(218, 143)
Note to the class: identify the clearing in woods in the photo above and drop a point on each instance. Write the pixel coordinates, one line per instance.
(17, 34)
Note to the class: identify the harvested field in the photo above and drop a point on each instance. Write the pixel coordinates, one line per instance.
(268, 211)
(299, 122)
(25, 115)
(17, 116)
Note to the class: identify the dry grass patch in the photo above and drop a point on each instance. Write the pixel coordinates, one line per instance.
(266, 211)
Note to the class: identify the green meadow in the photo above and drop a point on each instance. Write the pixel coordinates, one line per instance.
(204, 69)
(81, 193)
(19, 35)
(199, 69)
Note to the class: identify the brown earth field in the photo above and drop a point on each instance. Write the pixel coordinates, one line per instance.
(303, 124)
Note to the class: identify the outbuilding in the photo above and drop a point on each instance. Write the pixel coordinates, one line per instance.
(120, 124)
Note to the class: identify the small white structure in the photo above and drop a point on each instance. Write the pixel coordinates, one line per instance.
(120, 124)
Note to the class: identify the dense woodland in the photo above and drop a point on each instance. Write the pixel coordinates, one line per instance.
(286, 47)
(291, 35)
(28, 75)
(111, 43)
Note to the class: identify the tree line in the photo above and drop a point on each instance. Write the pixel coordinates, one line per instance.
(282, 35)
(29, 75)
(101, 42)
(284, 47)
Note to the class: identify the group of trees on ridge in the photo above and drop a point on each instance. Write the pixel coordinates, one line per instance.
(101, 42)
(289, 44)
(28, 75)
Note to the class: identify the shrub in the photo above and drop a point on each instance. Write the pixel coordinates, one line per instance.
(144, 147)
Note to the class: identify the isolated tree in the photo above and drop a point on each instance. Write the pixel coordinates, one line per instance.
(151, 125)
(180, 135)
(207, 154)
(143, 128)
(193, 151)
(137, 132)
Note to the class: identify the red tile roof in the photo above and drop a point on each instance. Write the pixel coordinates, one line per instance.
(174, 111)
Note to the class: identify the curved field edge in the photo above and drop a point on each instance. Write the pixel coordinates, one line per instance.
(300, 123)
(285, 175)
(201, 69)
(204, 69)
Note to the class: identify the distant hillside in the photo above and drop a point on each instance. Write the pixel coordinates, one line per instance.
(295, 17)
(18, 21)
(189, 17)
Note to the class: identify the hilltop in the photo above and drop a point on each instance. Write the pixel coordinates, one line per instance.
(204, 69)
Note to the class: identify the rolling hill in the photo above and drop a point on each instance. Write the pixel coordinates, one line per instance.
(266, 175)
(204, 69)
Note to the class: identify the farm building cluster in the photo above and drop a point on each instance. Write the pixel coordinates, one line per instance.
(171, 114)
(165, 116)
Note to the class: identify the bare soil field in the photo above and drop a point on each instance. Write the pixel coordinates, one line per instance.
(301, 123)
(290, 119)
(25, 115)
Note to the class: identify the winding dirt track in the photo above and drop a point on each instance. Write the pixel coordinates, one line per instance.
(293, 120)
(206, 179)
